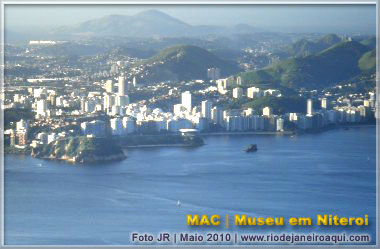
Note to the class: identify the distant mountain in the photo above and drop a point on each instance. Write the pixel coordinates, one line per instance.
(185, 62)
(306, 47)
(340, 62)
(149, 23)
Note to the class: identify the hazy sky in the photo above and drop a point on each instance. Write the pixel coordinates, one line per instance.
(313, 18)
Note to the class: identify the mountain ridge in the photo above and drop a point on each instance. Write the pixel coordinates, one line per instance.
(186, 62)
(148, 23)
(340, 62)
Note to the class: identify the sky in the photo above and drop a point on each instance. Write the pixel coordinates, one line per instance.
(291, 18)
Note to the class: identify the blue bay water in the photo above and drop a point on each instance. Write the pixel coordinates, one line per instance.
(56, 203)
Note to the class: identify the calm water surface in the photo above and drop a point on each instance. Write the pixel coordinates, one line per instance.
(49, 202)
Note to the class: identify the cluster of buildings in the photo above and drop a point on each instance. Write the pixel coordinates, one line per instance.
(109, 112)
(138, 118)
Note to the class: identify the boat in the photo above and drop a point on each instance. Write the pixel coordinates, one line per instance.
(251, 148)
(179, 204)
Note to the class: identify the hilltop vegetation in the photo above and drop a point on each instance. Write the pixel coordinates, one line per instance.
(81, 149)
(186, 62)
(306, 47)
(342, 61)
(367, 62)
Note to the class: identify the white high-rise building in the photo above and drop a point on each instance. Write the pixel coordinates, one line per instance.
(121, 86)
(134, 82)
(117, 126)
(237, 93)
(309, 107)
(280, 124)
(109, 101)
(186, 100)
(324, 103)
(41, 107)
(206, 109)
(109, 86)
(254, 92)
(217, 115)
(267, 111)
(21, 125)
(129, 124)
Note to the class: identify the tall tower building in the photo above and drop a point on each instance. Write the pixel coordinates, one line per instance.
(239, 81)
(186, 100)
(121, 85)
(310, 107)
(109, 101)
(41, 107)
(206, 109)
(109, 86)
(324, 103)
(237, 93)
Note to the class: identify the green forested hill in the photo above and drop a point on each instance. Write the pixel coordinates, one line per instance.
(186, 62)
(306, 47)
(340, 62)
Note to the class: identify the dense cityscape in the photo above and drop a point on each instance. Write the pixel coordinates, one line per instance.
(261, 83)
(134, 120)
(61, 113)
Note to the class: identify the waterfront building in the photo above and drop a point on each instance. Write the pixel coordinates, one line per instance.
(174, 125)
(206, 109)
(280, 124)
(217, 115)
(309, 106)
(186, 100)
(129, 124)
(22, 137)
(234, 123)
(324, 103)
(95, 128)
(332, 116)
(147, 126)
(117, 127)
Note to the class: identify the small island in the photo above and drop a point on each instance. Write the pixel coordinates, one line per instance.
(87, 149)
(81, 149)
